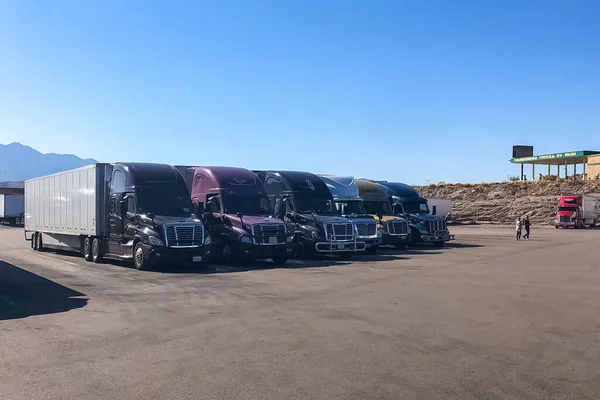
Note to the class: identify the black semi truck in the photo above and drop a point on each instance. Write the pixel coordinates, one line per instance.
(129, 211)
(305, 203)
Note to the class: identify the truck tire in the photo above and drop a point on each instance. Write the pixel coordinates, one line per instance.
(280, 260)
(301, 249)
(87, 249)
(139, 259)
(40, 246)
(96, 250)
(400, 246)
(372, 249)
(415, 237)
(34, 241)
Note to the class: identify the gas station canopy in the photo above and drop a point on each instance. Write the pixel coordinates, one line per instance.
(570, 158)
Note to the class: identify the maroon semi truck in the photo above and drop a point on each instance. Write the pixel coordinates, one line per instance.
(237, 214)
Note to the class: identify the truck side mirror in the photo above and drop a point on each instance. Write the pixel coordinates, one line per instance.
(433, 210)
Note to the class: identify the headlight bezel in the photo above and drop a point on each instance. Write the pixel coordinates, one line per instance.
(155, 241)
(247, 239)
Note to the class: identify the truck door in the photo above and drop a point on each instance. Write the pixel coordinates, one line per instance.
(214, 223)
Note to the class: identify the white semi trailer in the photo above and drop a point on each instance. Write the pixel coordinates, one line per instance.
(11, 208)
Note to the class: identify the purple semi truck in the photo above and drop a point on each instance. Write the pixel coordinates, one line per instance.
(237, 214)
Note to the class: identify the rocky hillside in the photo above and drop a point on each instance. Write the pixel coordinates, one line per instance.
(502, 202)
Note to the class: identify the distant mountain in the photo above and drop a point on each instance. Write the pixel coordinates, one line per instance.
(19, 162)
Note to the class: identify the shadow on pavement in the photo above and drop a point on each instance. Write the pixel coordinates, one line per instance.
(24, 294)
(219, 268)
(462, 245)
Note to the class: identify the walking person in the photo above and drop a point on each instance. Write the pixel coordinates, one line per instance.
(527, 224)
(519, 228)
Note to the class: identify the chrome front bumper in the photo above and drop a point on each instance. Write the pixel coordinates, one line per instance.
(338, 246)
(438, 237)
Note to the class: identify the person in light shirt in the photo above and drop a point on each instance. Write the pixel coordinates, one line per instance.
(519, 228)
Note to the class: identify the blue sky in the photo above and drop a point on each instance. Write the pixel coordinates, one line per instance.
(408, 90)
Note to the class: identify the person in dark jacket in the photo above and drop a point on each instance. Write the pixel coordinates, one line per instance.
(527, 225)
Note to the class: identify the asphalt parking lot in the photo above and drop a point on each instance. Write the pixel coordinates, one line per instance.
(485, 318)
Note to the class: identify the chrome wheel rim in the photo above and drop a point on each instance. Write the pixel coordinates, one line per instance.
(86, 248)
(139, 256)
(95, 249)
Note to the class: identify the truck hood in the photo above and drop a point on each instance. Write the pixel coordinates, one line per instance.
(568, 213)
(386, 218)
(321, 219)
(358, 216)
(423, 217)
(250, 220)
(163, 220)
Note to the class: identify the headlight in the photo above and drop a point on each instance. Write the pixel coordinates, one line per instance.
(247, 239)
(207, 240)
(424, 232)
(154, 241)
(290, 239)
(314, 235)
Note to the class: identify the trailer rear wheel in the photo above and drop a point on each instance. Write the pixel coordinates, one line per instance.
(87, 249)
(40, 244)
(96, 250)
(34, 241)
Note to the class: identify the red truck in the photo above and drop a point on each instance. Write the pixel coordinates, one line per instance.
(576, 211)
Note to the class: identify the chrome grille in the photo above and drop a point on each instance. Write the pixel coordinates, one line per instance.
(437, 225)
(339, 231)
(397, 227)
(366, 228)
(184, 235)
(264, 232)
(565, 218)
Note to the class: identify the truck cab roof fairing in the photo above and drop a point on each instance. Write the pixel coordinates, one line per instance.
(341, 186)
(300, 182)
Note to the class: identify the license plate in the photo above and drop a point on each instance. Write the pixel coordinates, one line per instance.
(197, 259)
(273, 239)
(340, 247)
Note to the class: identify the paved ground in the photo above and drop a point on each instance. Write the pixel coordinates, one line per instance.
(487, 318)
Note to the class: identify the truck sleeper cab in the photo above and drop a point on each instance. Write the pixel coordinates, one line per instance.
(394, 230)
(425, 227)
(238, 214)
(350, 205)
(304, 202)
(129, 211)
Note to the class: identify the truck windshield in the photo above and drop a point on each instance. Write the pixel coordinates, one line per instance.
(350, 207)
(171, 202)
(377, 207)
(309, 204)
(415, 207)
(569, 209)
(246, 204)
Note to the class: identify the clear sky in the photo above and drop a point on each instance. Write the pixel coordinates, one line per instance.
(409, 90)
